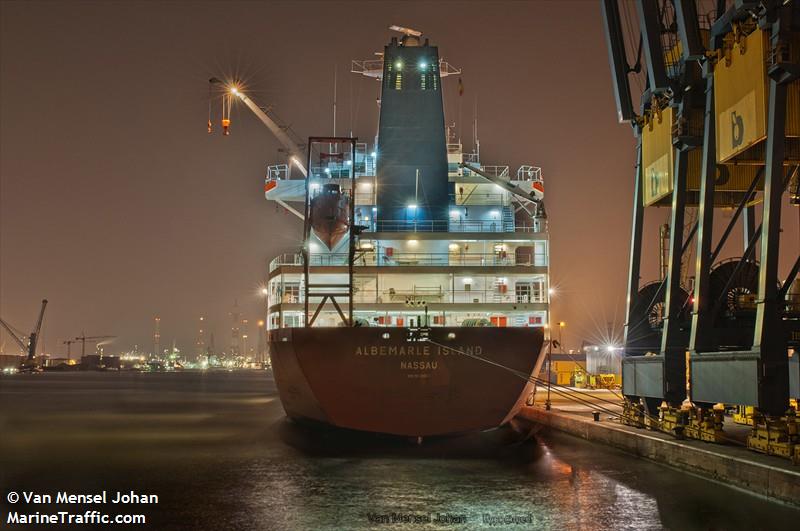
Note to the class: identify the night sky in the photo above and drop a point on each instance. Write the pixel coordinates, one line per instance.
(117, 205)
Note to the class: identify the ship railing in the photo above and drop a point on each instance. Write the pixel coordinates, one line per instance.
(529, 173)
(331, 171)
(475, 198)
(374, 68)
(496, 171)
(471, 158)
(440, 294)
(500, 172)
(295, 259)
(454, 225)
(387, 257)
(277, 172)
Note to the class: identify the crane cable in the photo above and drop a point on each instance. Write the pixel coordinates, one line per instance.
(210, 129)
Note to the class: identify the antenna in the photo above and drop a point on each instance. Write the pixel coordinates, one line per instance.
(405, 31)
(334, 100)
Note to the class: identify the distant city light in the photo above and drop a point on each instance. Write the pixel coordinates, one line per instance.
(412, 207)
(454, 213)
(373, 154)
(328, 171)
(313, 247)
(551, 291)
(399, 65)
(412, 243)
(423, 65)
(264, 291)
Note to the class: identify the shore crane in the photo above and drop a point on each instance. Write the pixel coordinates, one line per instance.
(83, 338)
(295, 151)
(27, 343)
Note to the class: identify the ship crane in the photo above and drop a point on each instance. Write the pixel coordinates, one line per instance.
(295, 151)
(535, 196)
(27, 343)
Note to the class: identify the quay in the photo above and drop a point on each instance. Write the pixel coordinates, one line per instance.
(730, 463)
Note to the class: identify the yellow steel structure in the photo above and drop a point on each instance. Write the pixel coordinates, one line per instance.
(632, 414)
(773, 436)
(658, 162)
(658, 156)
(741, 98)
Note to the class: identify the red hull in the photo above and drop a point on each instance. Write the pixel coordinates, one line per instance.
(355, 378)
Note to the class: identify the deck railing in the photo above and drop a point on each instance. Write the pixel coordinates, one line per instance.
(385, 258)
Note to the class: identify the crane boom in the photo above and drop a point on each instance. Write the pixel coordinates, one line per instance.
(502, 183)
(34, 339)
(14, 335)
(295, 152)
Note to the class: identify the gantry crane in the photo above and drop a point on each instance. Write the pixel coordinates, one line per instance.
(27, 343)
(717, 127)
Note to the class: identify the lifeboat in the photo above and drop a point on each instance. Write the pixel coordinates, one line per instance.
(330, 215)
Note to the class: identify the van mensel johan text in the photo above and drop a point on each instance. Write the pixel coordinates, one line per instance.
(99, 498)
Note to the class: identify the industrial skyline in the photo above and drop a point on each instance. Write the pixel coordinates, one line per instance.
(137, 211)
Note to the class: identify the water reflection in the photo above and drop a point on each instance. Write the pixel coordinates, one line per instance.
(219, 453)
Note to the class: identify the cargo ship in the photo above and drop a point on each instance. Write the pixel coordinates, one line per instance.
(418, 302)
